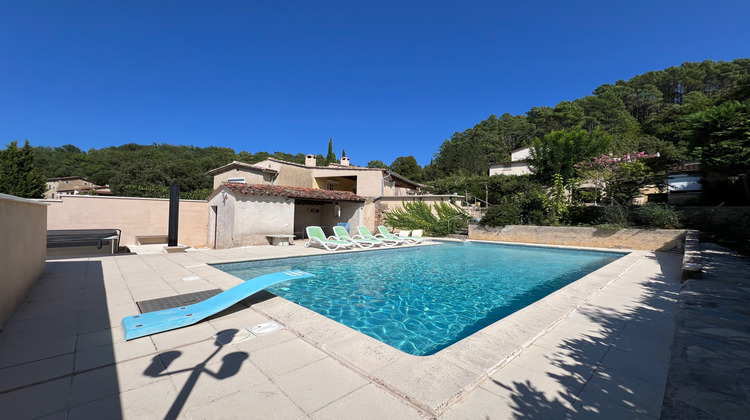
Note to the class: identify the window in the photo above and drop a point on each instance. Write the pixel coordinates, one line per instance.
(330, 185)
(507, 165)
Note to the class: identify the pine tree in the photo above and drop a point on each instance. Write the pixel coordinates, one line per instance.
(343, 153)
(17, 174)
(331, 157)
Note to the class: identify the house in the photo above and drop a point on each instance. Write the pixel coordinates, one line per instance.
(73, 185)
(684, 183)
(275, 197)
(367, 182)
(246, 214)
(519, 163)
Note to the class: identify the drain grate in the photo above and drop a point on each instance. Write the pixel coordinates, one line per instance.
(175, 301)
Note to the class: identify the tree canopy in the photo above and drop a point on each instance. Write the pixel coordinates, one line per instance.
(407, 166)
(17, 174)
(697, 110)
(656, 112)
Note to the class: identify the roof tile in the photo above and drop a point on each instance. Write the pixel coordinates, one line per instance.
(293, 192)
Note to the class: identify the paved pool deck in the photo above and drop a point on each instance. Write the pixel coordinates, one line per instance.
(599, 347)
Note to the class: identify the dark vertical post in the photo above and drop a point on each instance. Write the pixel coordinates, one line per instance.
(174, 214)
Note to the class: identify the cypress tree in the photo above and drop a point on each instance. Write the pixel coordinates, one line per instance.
(17, 174)
(331, 157)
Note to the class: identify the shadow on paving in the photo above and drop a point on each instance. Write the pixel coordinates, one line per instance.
(594, 387)
(709, 376)
(230, 366)
(58, 335)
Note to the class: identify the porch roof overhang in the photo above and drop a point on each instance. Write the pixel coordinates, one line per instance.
(308, 194)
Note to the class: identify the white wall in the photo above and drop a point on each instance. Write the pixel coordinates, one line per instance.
(521, 154)
(515, 168)
(251, 177)
(221, 220)
(243, 220)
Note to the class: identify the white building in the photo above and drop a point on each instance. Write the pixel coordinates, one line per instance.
(517, 165)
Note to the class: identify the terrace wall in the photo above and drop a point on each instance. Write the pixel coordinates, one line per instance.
(134, 216)
(23, 249)
(644, 239)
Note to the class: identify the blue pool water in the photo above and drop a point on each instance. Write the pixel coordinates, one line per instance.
(423, 299)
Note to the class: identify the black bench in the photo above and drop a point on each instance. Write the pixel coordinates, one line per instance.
(84, 238)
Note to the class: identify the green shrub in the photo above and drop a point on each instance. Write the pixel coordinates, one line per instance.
(419, 215)
(657, 216)
(613, 217)
(584, 215)
(502, 215)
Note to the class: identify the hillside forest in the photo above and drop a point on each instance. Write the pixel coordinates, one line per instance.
(696, 111)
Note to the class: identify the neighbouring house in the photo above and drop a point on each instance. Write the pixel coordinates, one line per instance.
(684, 183)
(243, 173)
(367, 182)
(519, 163)
(275, 197)
(73, 185)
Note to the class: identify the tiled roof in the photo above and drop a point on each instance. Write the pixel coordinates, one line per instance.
(293, 192)
(241, 165)
(62, 178)
(690, 166)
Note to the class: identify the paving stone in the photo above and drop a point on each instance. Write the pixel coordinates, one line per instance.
(30, 373)
(535, 392)
(305, 388)
(367, 403)
(284, 357)
(431, 381)
(105, 355)
(153, 401)
(206, 385)
(35, 348)
(482, 404)
(709, 376)
(594, 406)
(262, 402)
(115, 379)
(642, 397)
(36, 401)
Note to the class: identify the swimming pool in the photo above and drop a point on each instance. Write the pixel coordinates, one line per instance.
(423, 299)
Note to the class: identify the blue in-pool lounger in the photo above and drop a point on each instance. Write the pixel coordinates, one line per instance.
(155, 322)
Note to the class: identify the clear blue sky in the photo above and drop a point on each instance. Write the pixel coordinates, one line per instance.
(382, 78)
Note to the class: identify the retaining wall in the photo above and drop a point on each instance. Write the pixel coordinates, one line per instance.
(23, 249)
(644, 239)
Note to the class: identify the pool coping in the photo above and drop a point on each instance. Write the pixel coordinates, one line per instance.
(436, 382)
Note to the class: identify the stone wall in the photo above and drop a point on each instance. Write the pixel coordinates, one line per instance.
(23, 249)
(654, 240)
(714, 216)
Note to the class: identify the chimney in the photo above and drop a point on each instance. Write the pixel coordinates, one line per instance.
(344, 161)
(310, 160)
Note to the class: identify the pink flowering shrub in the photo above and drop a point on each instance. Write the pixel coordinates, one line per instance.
(619, 177)
(612, 162)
